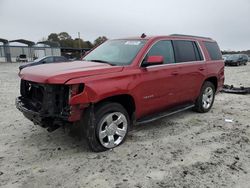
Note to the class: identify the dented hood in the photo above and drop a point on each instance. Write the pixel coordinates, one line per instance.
(59, 73)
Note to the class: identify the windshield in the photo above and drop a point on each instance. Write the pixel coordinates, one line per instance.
(116, 52)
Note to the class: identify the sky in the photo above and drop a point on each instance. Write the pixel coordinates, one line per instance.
(226, 21)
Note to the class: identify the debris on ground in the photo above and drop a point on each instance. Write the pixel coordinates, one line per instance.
(236, 90)
(228, 120)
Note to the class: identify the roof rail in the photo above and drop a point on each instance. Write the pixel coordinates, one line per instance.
(180, 35)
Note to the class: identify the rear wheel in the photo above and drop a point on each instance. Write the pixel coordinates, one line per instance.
(206, 98)
(110, 127)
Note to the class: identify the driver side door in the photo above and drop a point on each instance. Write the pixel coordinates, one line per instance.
(157, 88)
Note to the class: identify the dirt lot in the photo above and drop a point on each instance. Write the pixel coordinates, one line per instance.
(184, 150)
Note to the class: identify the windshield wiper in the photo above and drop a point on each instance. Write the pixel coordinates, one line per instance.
(102, 61)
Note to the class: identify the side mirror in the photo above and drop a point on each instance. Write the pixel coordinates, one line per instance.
(153, 60)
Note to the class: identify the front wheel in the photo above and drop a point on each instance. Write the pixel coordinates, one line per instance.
(206, 98)
(110, 127)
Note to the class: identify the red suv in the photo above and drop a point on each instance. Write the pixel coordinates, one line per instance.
(121, 83)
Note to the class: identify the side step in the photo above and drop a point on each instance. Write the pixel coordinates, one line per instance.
(170, 112)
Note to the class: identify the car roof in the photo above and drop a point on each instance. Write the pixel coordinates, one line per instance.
(173, 36)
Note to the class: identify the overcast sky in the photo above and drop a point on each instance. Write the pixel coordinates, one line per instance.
(227, 21)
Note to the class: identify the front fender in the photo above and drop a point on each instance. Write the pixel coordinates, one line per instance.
(87, 96)
(99, 89)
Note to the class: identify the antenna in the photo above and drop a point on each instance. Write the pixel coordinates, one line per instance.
(143, 35)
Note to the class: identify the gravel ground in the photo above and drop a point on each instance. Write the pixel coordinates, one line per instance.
(185, 150)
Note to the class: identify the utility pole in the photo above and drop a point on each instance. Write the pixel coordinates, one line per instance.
(79, 40)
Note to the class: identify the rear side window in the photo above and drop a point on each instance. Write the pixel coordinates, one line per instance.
(59, 59)
(48, 60)
(186, 51)
(213, 50)
(163, 48)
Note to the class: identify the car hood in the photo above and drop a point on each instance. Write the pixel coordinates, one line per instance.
(59, 73)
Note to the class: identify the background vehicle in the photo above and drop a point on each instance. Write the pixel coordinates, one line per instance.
(45, 60)
(225, 57)
(122, 83)
(22, 58)
(236, 59)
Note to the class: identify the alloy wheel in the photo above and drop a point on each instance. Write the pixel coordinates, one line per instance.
(112, 129)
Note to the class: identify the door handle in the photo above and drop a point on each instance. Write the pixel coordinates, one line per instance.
(201, 69)
(175, 73)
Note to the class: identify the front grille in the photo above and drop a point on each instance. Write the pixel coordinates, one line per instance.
(50, 99)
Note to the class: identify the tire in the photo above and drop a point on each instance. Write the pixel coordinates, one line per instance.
(206, 98)
(106, 132)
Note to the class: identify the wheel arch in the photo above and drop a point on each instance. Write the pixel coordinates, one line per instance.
(126, 100)
(213, 80)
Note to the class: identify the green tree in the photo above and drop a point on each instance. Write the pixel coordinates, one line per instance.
(100, 40)
(65, 40)
(89, 44)
(53, 37)
(64, 36)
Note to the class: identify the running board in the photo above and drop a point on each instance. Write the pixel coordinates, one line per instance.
(170, 112)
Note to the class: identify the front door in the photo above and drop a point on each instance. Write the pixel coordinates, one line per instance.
(157, 85)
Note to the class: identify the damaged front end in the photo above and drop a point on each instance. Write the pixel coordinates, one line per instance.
(46, 105)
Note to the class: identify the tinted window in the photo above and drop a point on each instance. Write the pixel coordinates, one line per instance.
(213, 50)
(48, 60)
(59, 59)
(186, 51)
(163, 48)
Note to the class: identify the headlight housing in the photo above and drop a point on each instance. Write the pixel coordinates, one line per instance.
(75, 89)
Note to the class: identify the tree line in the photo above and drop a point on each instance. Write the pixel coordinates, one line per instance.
(63, 39)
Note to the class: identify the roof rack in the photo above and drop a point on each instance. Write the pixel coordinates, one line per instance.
(180, 35)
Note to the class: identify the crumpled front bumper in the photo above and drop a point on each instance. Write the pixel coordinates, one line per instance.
(38, 118)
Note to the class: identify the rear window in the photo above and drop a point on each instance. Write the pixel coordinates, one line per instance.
(213, 50)
(22, 56)
(186, 51)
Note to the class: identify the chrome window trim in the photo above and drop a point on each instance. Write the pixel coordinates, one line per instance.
(198, 45)
(187, 62)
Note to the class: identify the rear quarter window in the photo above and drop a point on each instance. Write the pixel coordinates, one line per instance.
(213, 50)
(59, 59)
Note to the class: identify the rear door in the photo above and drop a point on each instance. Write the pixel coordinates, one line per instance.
(191, 69)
